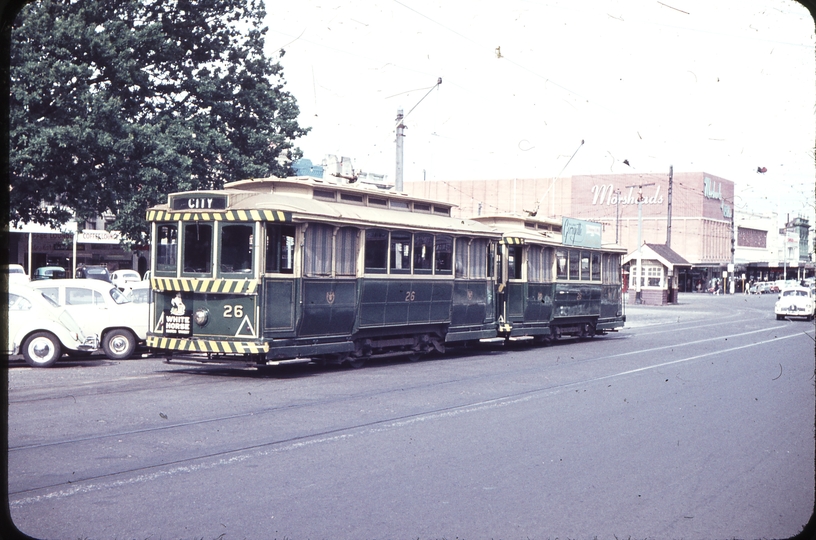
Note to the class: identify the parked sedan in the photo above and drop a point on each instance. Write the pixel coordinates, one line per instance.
(49, 272)
(15, 273)
(41, 330)
(795, 302)
(93, 272)
(101, 309)
(121, 278)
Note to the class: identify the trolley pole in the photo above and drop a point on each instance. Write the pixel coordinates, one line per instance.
(400, 136)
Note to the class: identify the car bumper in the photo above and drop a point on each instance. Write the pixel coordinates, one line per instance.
(91, 343)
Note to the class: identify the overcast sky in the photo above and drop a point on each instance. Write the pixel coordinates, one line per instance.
(721, 86)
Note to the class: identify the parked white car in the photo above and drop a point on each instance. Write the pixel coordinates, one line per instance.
(15, 273)
(41, 330)
(101, 309)
(139, 293)
(121, 278)
(795, 302)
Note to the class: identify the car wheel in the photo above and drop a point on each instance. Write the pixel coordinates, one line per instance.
(119, 344)
(41, 349)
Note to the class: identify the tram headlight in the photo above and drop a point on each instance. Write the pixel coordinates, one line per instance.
(202, 317)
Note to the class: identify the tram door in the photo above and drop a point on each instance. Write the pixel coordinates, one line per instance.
(279, 282)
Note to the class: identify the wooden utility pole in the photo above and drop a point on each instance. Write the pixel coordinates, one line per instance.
(668, 215)
(638, 274)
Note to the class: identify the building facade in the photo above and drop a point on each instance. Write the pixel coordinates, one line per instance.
(634, 209)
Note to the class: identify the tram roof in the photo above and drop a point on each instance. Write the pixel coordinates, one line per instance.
(524, 228)
(302, 199)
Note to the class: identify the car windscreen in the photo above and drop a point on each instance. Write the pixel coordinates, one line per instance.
(48, 299)
(118, 296)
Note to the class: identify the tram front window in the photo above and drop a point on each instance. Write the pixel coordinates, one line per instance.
(236, 249)
(198, 248)
(166, 247)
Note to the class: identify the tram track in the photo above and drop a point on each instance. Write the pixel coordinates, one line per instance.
(536, 368)
(147, 471)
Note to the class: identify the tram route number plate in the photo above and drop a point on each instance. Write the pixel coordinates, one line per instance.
(178, 325)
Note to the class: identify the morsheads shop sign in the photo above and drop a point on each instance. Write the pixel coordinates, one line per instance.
(606, 194)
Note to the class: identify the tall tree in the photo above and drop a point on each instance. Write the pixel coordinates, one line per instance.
(115, 103)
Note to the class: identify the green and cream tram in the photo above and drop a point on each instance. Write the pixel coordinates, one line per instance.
(269, 270)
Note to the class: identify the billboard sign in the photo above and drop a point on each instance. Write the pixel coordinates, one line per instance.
(577, 232)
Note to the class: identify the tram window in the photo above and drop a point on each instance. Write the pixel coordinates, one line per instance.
(317, 250)
(400, 252)
(478, 258)
(585, 265)
(345, 249)
(461, 257)
(574, 257)
(236, 248)
(596, 267)
(491, 258)
(611, 268)
(280, 248)
(546, 264)
(561, 264)
(376, 251)
(198, 244)
(534, 264)
(166, 247)
(443, 262)
(514, 262)
(423, 253)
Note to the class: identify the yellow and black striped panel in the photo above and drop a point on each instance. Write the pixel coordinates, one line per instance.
(207, 345)
(225, 215)
(510, 240)
(205, 285)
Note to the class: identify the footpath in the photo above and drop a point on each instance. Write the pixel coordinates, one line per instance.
(689, 307)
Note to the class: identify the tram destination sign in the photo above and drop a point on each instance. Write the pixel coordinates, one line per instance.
(577, 232)
(198, 202)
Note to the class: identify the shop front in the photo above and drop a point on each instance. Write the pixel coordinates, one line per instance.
(35, 246)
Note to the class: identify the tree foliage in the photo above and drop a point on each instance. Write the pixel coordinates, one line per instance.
(115, 103)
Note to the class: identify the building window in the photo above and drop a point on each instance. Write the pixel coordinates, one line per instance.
(654, 276)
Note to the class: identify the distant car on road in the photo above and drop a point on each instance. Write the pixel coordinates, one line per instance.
(763, 287)
(49, 272)
(15, 273)
(101, 309)
(795, 302)
(121, 278)
(93, 272)
(41, 330)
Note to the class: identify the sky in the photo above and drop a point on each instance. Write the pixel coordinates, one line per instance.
(555, 88)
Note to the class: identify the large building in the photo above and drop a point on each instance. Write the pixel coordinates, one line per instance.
(635, 208)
